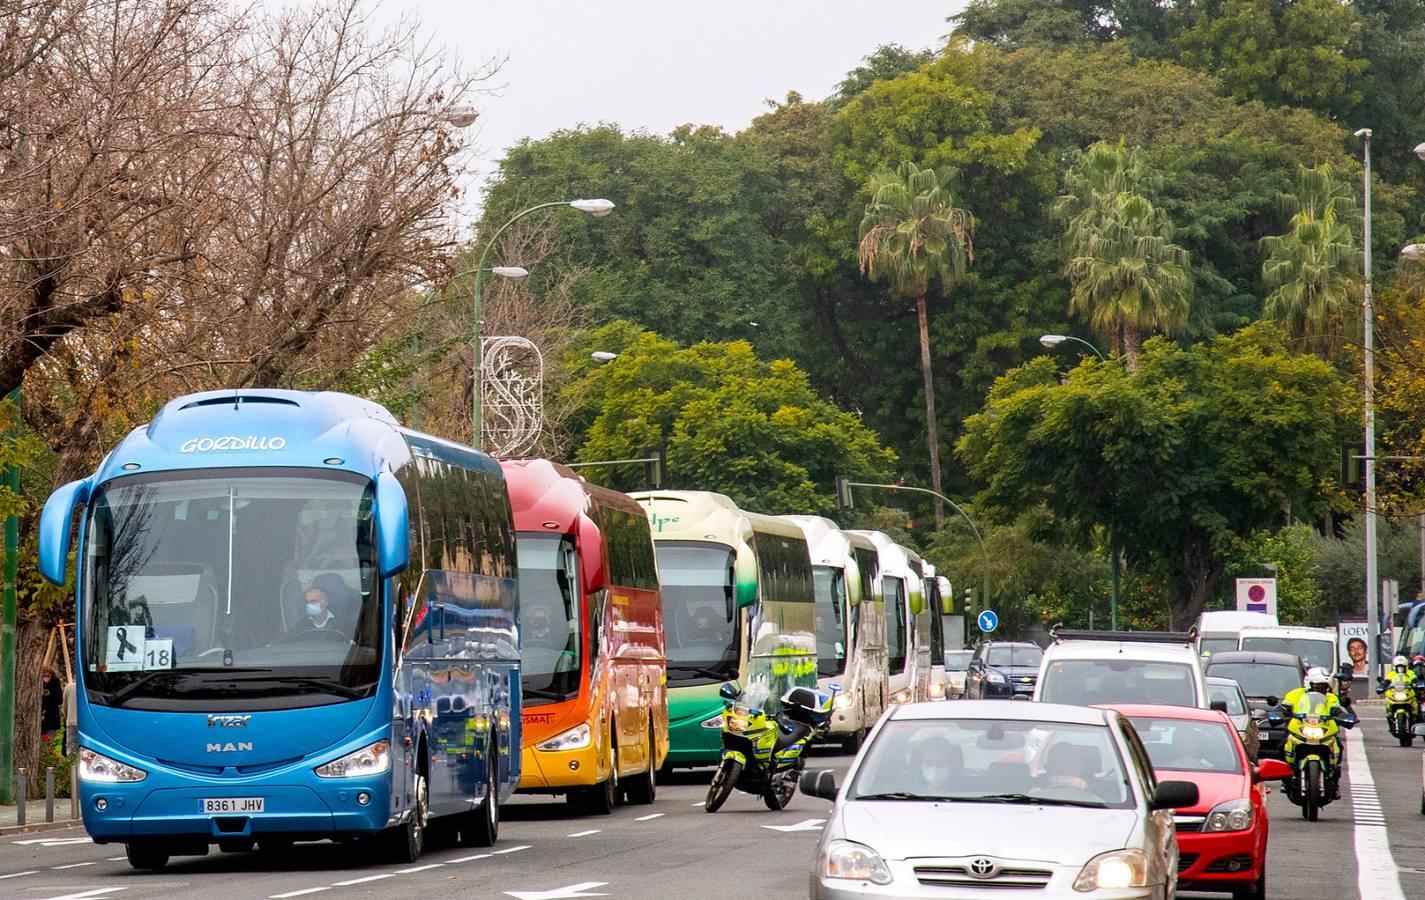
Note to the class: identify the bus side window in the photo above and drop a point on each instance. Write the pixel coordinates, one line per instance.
(596, 625)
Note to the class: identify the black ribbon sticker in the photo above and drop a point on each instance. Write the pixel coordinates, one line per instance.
(123, 635)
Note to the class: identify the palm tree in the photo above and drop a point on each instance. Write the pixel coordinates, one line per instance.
(1127, 274)
(1311, 269)
(913, 235)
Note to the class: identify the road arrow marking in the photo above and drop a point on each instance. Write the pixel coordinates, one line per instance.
(573, 890)
(807, 825)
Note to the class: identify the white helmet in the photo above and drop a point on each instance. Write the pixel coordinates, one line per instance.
(1316, 675)
(1400, 662)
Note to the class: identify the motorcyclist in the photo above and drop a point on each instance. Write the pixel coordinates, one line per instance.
(1317, 681)
(1417, 665)
(1400, 671)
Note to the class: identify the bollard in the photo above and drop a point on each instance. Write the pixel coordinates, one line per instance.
(73, 795)
(49, 793)
(22, 794)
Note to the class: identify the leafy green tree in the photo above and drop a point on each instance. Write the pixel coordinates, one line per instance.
(1127, 274)
(913, 236)
(884, 63)
(1312, 269)
(1183, 461)
(753, 430)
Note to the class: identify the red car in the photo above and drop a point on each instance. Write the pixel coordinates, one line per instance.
(1222, 841)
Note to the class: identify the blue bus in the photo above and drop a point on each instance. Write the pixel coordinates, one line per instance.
(296, 621)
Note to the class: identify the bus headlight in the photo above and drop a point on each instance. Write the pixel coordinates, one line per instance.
(714, 722)
(1114, 870)
(100, 769)
(374, 759)
(575, 738)
(843, 701)
(937, 690)
(856, 862)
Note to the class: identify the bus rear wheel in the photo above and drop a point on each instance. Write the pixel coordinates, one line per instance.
(482, 827)
(145, 857)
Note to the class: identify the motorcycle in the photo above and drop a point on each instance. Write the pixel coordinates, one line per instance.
(1313, 750)
(1402, 707)
(762, 754)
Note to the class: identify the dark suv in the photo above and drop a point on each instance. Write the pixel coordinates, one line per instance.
(1265, 677)
(1003, 669)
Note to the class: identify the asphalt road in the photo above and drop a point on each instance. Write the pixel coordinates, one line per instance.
(674, 849)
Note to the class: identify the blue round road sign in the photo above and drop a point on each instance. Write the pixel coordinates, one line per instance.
(988, 621)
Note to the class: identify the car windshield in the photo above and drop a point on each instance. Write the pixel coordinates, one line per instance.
(1228, 694)
(550, 632)
(228, 584)
(1313, 651)
(958, 660)
(1113, 680)
(831, 636)
(1186, 746)
(1259, 679)
(700, 620)
(993, 761)
(1210, 645)
(1014, 655)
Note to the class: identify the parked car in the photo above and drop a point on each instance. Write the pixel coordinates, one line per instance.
(1222, 839)
(1002, 669)
(1264, 677)
(956, 799)
(957, 662)
(1092, 667)
(1228, 694)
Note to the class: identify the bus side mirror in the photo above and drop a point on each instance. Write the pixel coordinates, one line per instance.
(591, 557)
(54, 529)
(744, 576)
(393, 525)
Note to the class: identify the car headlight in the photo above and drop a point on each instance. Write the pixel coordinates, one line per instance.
(1114, 870)
(855, 862)
(374, 759)
(993, 677)
(714, 722)
(100, 769)
(575, 738)
(1233, 815)
(1313, 732)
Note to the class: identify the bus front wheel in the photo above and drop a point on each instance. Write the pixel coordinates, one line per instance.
(482, 826)
(145, 857)
(407, 840)
(643, 789)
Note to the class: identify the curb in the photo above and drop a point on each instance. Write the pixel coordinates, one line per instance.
(37, 827)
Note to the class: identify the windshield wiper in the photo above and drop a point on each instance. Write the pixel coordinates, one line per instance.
(905, 795)
(1028, 798)
(697, 670)
(546, 694)
(322, 684)
(116, 698)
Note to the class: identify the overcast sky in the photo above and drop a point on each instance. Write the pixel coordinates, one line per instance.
(656, 64)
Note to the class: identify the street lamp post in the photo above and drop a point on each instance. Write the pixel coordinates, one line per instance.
(597, 208)
(1368, 396)
(1049, 342)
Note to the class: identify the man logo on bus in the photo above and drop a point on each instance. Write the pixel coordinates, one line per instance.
(230, 747)
(232, 442)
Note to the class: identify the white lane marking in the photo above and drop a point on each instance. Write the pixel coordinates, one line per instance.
(73, 866)
(95, 894)
(364, 880)
(55, 842)
(1376, 874)
(701, 803)
(18, 874)
(414, 869)
(584, 833)
(299, 893)
(471, 858)
(573, 890)
(804, 825)
(648, 817)
(116, 859)
(512, 849)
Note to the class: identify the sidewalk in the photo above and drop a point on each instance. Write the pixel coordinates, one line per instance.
(35, 817)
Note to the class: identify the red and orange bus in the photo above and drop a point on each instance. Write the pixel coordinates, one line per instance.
(593, 674)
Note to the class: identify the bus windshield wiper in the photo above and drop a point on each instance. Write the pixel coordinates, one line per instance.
(697, 670)
(116, 698)
(321, 684)
(1027, 798)
(545, 694)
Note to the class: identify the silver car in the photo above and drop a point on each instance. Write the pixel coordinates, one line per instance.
(978, 798)
(956, 663)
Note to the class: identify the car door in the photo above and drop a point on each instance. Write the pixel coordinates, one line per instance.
(1159, 833)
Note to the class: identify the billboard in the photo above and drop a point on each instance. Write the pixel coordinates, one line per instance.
(1351, 637)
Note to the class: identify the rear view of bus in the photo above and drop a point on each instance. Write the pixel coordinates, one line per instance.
(850, 626)
(591, 627)
(285, 632)
(902, 586)
(737, 607)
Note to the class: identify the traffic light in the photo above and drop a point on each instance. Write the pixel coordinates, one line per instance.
(657, 468)
(843, 491)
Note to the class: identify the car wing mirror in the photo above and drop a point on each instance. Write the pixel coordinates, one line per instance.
(1218, 705)
(728, 691)
(1273, 700)
(1174, 795)
(819, 783)
(1418, 730)
(1271, 770)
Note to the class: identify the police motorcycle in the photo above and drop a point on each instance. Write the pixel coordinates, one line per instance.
(763, 754)
(1313, 748)
(1401, 693)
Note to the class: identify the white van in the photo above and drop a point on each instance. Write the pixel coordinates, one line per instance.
(1218, 630)
(1315, 646)
(1087, 668)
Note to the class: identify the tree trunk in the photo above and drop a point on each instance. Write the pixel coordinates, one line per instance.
(1201, 570)
(932, 433)
(29, 660)
(1132, 345)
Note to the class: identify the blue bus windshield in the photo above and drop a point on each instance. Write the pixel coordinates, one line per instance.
(249, 589)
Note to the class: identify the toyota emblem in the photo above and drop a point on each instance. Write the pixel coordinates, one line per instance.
(983, 867)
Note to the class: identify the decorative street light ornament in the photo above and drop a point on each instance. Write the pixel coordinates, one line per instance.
(461, 115)
(596, 208)
(514, 273)
(1413, 252)
(1052, 340)
(512, 395)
